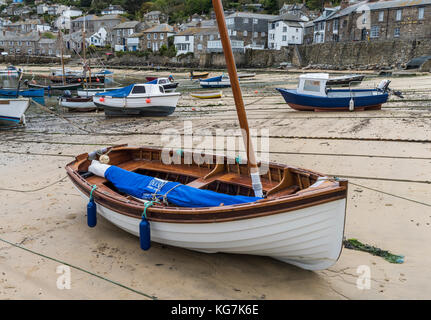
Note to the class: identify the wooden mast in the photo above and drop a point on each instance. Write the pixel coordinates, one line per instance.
(85, 59)
(239, 102)
(62, 59)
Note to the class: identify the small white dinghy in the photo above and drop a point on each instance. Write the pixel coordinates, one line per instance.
(12, 110)
(138, 99)
(77, 103)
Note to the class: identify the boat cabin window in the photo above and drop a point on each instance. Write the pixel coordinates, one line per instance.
(162, 81)
(161, 89)
(138, 89)
(312, 85)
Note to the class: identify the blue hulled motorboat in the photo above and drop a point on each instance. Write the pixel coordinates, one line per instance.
(313, 94)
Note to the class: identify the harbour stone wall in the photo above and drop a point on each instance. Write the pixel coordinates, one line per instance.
(363, 54)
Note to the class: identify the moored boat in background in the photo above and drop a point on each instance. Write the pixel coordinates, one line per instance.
(198, 75)
(167, 83)
(207, 94)
(312, 94)
(12, 110)
(77, 103)
(138, 99)
(347, 80)
(216, 82)
(30, 93)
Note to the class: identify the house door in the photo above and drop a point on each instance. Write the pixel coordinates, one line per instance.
(364, 34)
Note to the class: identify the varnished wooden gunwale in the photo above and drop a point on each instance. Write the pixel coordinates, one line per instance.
(273, 205)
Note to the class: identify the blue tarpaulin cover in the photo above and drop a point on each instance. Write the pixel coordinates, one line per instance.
(145, 187)
(119, 93)
(215, 79)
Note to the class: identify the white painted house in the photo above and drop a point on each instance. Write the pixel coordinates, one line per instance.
(184, 41)
(98, 38)
(320, 24)
(285, 30)
(63, 21)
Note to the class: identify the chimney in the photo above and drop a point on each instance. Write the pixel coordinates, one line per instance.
(344, 4)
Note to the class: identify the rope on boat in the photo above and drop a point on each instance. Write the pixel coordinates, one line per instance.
(80, 269)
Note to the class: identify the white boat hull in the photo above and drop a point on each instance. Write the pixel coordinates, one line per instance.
(77, 105)
(215, 84)
(310, 238)
(12, 110)
(144, 105)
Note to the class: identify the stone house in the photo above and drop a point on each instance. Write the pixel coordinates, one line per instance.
(195, 40)
(119, 34)
(308, 32)
(154, 17)
(155, 37)
(19, 43)
(320, 24)
(251, 28)
(382, 20)
(48, 47)
(93, 23)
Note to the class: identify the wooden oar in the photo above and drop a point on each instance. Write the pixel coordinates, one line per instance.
(239, 102)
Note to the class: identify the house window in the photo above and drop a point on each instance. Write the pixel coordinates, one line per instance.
(421, 12)
(202, 38)
(230, 21)
(263, 34)
(335, 25)
(381, 16)
(155, 36)
(396, 32)
(162, 36)
(19, 43)
(399, 14)
(255, 21)
(29, 51)
(234, 32)
(211, 37)
(187, 38)
(284, 38)
(245, 33)
(148, 36)
(148, 45)
(200, 47)
(255, 34)
(245, 20)
(273, 26)
(374, 32)
(284, 29)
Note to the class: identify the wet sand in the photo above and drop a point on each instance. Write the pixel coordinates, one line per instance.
(387, 150)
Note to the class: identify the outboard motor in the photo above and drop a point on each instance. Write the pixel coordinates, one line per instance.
(384, 85)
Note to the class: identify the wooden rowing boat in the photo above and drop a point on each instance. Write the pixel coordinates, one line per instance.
(300, 221)
(198, 75)
(221, 205)
(207, 94)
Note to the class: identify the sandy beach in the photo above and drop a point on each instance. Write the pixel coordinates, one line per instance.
(385, 155)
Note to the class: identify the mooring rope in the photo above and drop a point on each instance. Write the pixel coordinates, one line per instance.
(80, 269)
(59, 116)
(34, 190)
